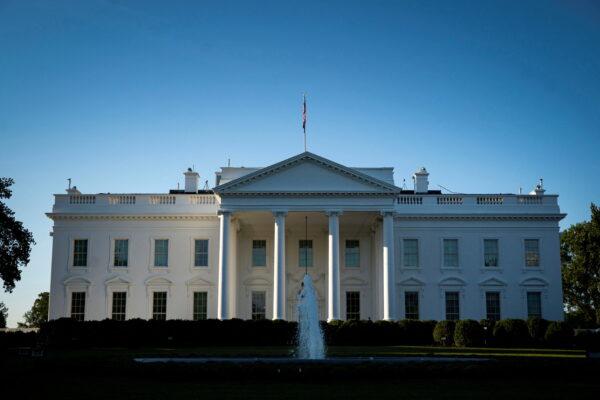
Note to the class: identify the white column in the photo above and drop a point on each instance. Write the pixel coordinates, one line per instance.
(333, 271)
(389, 268)
(279, 267)
(223, 284)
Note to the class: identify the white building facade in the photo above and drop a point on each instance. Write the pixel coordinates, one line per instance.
(374, 250)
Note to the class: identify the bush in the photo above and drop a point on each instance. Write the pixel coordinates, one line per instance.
(416, 332)
(559, 334)
(443, 333)
(511, 332)
(468, 333)
(487, 328)
(587, 339)
(537, 328)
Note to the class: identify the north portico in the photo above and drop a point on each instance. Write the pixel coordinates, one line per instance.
(334, 202)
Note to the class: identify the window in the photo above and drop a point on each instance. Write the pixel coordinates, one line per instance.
(119, 303)
(121, 252)
(451, 253)
(410, 256)
(532, 252)
(452, 306)
(78, 306)
(490, 252)
(492, 306)
(80, 250)
(259, 301)
(201, 253)
(352, 305)
(305, 253)
(411, 305)
(534, 304)
(159, 306)
(352, 254)
(200, 306)
(259, 253)
(161, 252)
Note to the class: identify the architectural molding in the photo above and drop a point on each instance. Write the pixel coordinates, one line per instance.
(132, 217)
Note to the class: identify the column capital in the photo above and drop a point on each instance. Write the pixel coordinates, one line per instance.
(335, 213)
(224, 212)
(279, 213)
(385, 213)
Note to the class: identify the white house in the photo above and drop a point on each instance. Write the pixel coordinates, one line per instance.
(240, 250)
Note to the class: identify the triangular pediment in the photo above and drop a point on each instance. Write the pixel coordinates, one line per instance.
(412, 282)
(452, 281)
(306, 173)
(535, 281)
(492, 282)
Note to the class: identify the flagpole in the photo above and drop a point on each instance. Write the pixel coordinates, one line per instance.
(304, 118)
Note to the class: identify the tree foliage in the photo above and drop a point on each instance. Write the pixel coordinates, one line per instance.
(15, 241)
(3, 315)
(580, 255)
(39, 312)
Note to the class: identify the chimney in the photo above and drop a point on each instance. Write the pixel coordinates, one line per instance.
(539, 189)
(191, 181)
(420, 180)
(73, 190)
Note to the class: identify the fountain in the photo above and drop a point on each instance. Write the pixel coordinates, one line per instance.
(310, 337)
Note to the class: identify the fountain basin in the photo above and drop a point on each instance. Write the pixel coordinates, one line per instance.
(289, 360)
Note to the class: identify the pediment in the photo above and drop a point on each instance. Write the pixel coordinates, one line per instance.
(353, 281)
(77, 281)
(534, 282)
(257, 282)
(117, 280)
(492, 282)
(158, 281)
(306, 173)
(412, 282)
(452, 281)
(197, 281)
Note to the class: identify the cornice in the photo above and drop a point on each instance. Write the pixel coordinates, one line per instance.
(114, 217)
(480, 217)
(306, 194)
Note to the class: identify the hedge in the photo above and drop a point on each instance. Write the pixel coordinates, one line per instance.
(443, 333)
(511, 332)
(468, 333)
(559, 334)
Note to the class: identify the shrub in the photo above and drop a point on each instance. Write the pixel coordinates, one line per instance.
(468, 333)
(416, 332)
(537, 328)
(559, 334)
(487, 329)
(511, 332)
(587, 339)
(443, 333)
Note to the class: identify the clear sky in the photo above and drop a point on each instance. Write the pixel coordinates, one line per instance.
(122, 96)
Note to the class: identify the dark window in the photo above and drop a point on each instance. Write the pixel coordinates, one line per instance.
(201, 253)
(200, 305)
(411, 305)
(492, 305)
(352, 254)
(159, 306)
(78, 306)
(80, 250)
(119, 304)
(352, 305)
(452, 306)
(259, 253)
(305, 253)
(259, 302)
(121, 252)
(161, 252)
(534, 304)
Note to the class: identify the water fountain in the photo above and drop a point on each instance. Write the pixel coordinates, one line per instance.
(310, 337)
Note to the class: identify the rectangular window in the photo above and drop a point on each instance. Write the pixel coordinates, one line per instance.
(534, 304)
(259, 302)
(452, 306)
(159, 306)
(492, 306)
(305, 253)
(411, 305)
(352, 305)
(200, 305)
(201, 253)
(259, 253)
(121, 252)
(410, 254)
(532, 252)
(119, 304)
(451, 253)
(352, 254)
(161, 252)
(490, 252)
(78, 306)
(80, 252)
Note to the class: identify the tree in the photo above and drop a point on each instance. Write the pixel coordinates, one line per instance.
(3, 315)
(39, 312)
(15, 241)
(580, 255)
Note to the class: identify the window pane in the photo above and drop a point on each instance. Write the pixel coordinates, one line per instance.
(492, 305)
(201, 253)
(200, 305)
(452, 306)
(119, 304)
(451, 253)
(259, 253)
(78, 306)
(352, 254)
(305, 253)
(532, 252)
(352, 305)
(534, 304)
(161, 252)
(159, 306)
(411, 253)
(121, 252)
(80, 247)
(259, 301)
(411, 305)
(490, 252)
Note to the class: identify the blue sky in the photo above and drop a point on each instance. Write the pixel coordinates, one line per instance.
(122, 96)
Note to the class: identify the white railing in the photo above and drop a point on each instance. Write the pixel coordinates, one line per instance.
(202, 199)
(495, 200)
(82, 199)
(162, 199)
(449, 200)
(410, 200)
(121, 199)
(528, 200)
